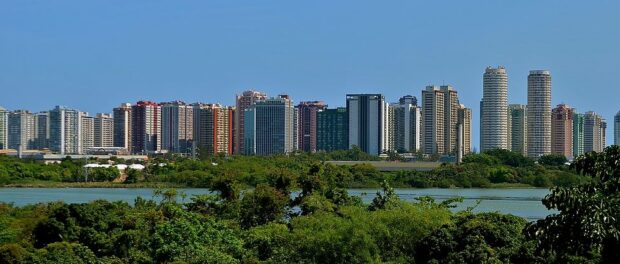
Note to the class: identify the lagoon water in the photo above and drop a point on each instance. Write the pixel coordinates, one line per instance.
(523, 202)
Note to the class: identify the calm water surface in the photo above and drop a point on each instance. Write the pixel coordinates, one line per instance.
(521, 202)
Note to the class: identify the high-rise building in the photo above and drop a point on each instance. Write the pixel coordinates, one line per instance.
(494, 111)
(4, 119)
(296, 129)
(104, 131)
(433, 121)
(368, 122)
(617, 129)
(593, 132)
(177, 127)
(538, 113)
(518, 128)
(451, 113)
(562, 131)
(145, 127)
(243, 101)
(42, 130)
(332, 129)
(213, 128)
(21, 133)
(464, 122)
(405, 125)
(122, 126)
(269, 126)
(440, 106)
(306, 124)
(65, 130)
(603, 134)
(578, 126)
(87, 132)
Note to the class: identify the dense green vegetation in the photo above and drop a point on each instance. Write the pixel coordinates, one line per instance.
(489, 169)
(321, 224)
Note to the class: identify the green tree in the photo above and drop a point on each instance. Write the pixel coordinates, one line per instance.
(588, 223)
(386, 200)
(552, 160)
(261, 206)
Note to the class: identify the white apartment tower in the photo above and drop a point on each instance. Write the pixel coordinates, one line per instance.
(538, 113)
(21, 130)
(65, 130)
(494, 110)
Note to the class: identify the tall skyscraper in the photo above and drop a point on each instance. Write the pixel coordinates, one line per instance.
(518, 128)
(433, 121)
(21, 133)
(269, 127)
(306, 124)
(538, 113)
(464, 122)
(87, 132)
(244, 101)
(617, 129)
(332, 127)
(368, 122)
(177, 127)
(578, 126)
(562, 131)
(603, 134)
(42, 130)
(440, 106)
(104, 131)
(494, 111)
(213, 128)
(452, 106)
(405, 125)
(593, 132)
(145, 127)
(4, 119)
(122, 126)
(65, 130)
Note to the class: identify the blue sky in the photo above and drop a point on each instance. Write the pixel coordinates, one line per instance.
(93, 55)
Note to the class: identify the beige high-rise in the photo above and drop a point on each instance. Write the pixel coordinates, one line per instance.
(464, 120)
(213, 125)
(104, 130)
(440, 110)
(538, 113)
(88, 132)
(593, 132)
(562, 131)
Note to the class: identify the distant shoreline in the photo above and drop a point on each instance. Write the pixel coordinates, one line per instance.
(155, 185)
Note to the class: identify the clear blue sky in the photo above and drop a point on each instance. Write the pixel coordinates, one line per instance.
(93, 55)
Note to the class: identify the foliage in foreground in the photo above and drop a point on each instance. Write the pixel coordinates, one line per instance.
(322, 224)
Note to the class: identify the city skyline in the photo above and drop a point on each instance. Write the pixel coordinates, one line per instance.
(298, 103)
(206, 51)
